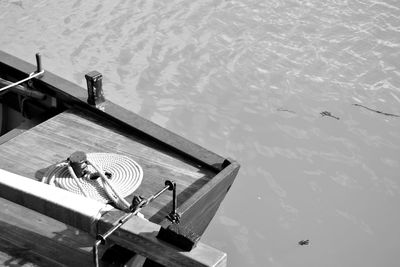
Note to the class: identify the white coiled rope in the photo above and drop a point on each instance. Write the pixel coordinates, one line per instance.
(126, 176)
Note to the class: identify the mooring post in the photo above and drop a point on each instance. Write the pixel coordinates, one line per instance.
(38, 62)
(94, 81)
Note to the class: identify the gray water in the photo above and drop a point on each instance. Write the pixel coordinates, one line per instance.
(249, 80)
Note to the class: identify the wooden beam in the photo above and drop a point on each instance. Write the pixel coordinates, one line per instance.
(62, 205)
(173, 141)
(200, 208)
(32, 239)
(138, 235)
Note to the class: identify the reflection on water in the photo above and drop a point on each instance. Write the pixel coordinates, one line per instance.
(250, 79)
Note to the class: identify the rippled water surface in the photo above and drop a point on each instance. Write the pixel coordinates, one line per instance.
(289, 88)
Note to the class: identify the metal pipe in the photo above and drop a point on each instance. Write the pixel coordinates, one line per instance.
(101, 238)
(22, 90)
(157, 194)
(31, 76)
(38, 63)
(174, 199)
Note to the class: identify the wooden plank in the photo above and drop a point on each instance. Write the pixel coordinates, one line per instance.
(75, 95)
(74, 130)
(139, 235)
(20, 252)
(54, 202)
(170, 139)
(197, 211)
(23, 245)
(37, 240)
(91, 134)
(22, 127)
(10, 135)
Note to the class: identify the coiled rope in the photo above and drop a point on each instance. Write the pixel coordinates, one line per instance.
(125, 177)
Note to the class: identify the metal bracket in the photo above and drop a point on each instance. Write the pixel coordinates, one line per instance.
(138, 203)
(173, 216)
(36, 74)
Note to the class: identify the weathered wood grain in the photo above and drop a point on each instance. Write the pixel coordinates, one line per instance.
(200, 208)
(30, 153)
(162, 154)
(139, 235)
(28, 238)
(67, 207)
(72, 94)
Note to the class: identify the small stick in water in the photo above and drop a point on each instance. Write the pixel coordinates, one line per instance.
(377, 111)
(328, 114)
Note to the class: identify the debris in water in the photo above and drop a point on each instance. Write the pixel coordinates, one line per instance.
(328, 114)
(304, 242)
(377, 111)
(286, 110)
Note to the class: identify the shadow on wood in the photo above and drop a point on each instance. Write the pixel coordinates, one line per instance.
(38, 240)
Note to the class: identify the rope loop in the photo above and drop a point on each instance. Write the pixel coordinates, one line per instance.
(108, 178)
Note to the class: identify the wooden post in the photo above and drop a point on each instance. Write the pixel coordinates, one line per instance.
(94, 81)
